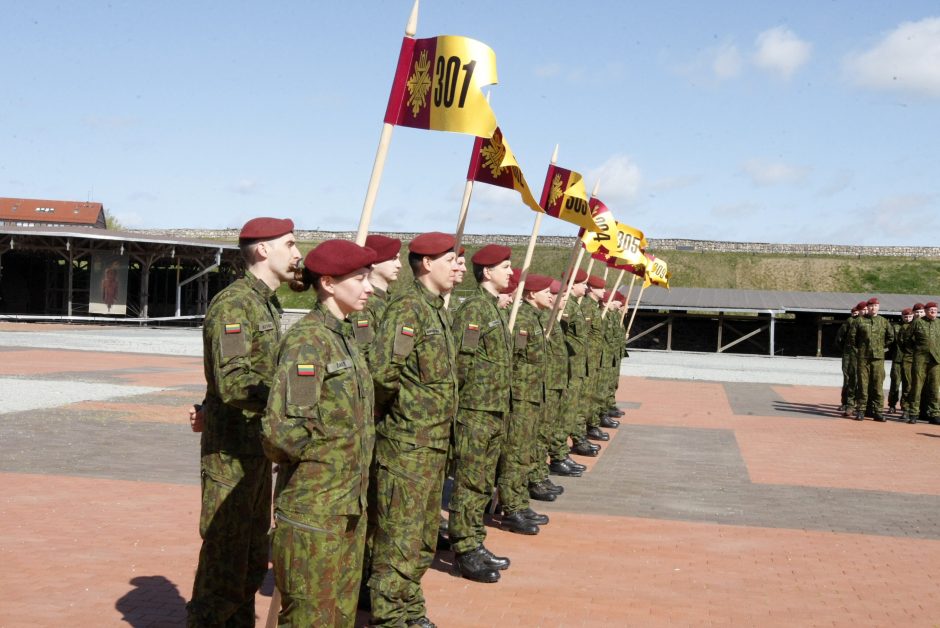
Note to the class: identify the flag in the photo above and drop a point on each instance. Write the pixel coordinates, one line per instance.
(563, 197)
(492, 162)
(438, 85)
(657, 271)
(601, 244)
(632, 243)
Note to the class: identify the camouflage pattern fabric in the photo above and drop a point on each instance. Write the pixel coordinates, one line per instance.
(576, 330)
(366, 322)
(845, 342)
(483, 360)
(241, 333)
(925, 371)
(594, 356)
(872, 335)
(897, 389)
(556, 382)
(515, 457)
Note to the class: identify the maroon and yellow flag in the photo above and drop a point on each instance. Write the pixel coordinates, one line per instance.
(492, 162)
(438, 85)
(657, 271)
(601, 244)
(632, 244)
(563, 197)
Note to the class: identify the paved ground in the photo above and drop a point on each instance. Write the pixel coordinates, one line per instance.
(733, 494)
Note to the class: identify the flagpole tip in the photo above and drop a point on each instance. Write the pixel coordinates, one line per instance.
(555, 155)
(597, 186)
(411, 28)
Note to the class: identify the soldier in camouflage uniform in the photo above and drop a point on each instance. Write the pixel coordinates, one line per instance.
(483, 375)
(319, 428)
(240, 339)
(614, 342)
(845, 342)
(556, 383)
(576, 335)
(872, 334)
(925, 374)
(917, 311)
(414, 373)
(384, 272)
(597, 358)
(900, 382)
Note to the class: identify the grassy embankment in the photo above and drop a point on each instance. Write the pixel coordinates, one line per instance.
(691, 269)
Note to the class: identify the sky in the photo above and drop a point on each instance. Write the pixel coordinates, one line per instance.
(808, 121)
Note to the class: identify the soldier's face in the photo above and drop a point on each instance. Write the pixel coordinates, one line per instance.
(931, 313)
(350, 292)
(854, 313)
(442, 272)
(461, 262)
(503, 301)
(918, 313)
(389, 269)
(578, 289)
(598, 293)
(500, 274)
(907, 318)
(542, 299)
(873, 309)
(282, 256)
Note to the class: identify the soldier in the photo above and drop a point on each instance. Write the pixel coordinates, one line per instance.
(872, 334)
(531, 375)
(900, 382)
(918, 313)
(925, 374)
(319, 428)
(556, 383)
(597, 356)
(240, 338)
(384, 272)
(845, 342)
(483, 375)
(414, 373)
(576, 334)
(614, 343)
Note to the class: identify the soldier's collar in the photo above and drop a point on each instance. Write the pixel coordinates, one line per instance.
(329, 321)
(259, 286)
(434, 300)
(378, 292)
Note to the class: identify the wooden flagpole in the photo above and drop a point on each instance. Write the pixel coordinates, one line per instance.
(381, 153)
(613, 291)
(517, 296)
(567, 280)
(626, 302)
(635, 307)
(597, 185)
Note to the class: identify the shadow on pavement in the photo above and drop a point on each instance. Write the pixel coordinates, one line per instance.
(152, 595)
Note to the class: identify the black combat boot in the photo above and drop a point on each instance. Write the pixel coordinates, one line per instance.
(472, 566)
(596, 433)
(535, 517)
(583, 448)
(517, 522)
(421, 622)
(859, 415)
(609, 422)
(615, 412)
(561, 467)
(577, 466)
(539, 492)
(551, 486)
(494, 561)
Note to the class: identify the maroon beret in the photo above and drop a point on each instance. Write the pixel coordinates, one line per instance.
(462, 250)
(432, 243)
(596, 282)
(338, 257)
(491, 255)
(907, 311)
(929, 305)
(385, 248)
(619, 296)
(555, 287)
(861, 306)
(265, 229)
(873, 301)
(537, 283)
(918, 306)
(581, 276)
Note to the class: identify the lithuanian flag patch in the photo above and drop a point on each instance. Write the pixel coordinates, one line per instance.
(233, 328)
(306, 370)
(362, 323)
(407, 331)
(473, 327)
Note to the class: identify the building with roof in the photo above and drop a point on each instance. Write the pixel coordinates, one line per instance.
(31, 212)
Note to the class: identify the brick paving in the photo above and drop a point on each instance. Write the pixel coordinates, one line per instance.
(713, 504)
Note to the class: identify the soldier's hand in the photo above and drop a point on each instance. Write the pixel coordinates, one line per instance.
(196, 421)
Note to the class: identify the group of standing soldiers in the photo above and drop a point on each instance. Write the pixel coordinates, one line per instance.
(912, 345)
(368, 402)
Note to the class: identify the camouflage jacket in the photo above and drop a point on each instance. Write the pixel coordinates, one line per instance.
(592, 316)
(556, 367)
(904, 341)
(318, 424)
(240, 338)
(414, 369)
(483, 358)
(845, 337)
(530, 355)
(613, 337)
(872, 336)
(925, 338)
(576, 331)
(365, 323)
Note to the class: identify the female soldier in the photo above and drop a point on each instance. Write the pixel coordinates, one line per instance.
(319, 428)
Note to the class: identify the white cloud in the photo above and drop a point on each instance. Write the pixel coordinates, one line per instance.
(726, 62)
(781, 52)
(762, 172)
(907, 59)
(619, 178)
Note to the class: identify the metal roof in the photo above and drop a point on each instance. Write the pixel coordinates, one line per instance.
(112, 234)
(726, 300)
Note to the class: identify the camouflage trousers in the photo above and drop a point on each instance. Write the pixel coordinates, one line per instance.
(613, 376)
(477, 438)
(515, 457)
(572, 408)
(317, 566)
(870, 392)
(409, 480)
(542, 444)
(925, 378)
(557, 423)
(849, 379)
(897, 386)
(234, 524)
(592, 395)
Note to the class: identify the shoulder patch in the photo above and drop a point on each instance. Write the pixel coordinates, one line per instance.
(233, 343)
(471, 338)
(404, 341)
(521, 339)
(233, 328)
